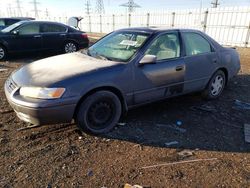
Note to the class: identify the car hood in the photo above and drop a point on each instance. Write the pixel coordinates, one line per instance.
(51, 70)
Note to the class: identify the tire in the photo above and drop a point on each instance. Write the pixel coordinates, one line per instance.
(3, 53)
(99, 112)
(215, 86)
(70, 47)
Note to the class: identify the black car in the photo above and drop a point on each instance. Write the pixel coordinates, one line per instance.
(125, 69)
(29, 36)
(6, 22)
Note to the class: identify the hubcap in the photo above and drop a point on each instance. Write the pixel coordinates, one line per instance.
(70, 48)
(217, 85)
(2, 53)
(100, 114)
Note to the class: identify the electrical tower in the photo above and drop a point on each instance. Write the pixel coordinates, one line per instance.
(35, 3)
(19, 10)
(88, 7)
(215, 3)
(100, 7)
(9, 10)
(131, 5)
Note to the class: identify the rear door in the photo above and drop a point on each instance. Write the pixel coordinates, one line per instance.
(200, 59)
(54, 36)
(28, 38)
(165, 77)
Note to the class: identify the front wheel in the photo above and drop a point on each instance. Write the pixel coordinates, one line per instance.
(215, 85)
(99, 112)
(70, 47)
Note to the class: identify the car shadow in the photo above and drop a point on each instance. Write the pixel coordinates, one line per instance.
(29, 57)
(190, 122)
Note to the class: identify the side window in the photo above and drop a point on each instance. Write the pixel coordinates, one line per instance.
(195, 44)
(52, 28)
(2, 23)
(11, 21)
(29, 29)
(166, 46)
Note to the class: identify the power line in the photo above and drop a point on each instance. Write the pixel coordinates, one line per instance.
(87, 7)
(215, 3)
(100, 7)
(131, 5)
(35, 3)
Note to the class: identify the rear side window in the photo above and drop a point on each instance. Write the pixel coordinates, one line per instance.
(166, 46)
(52, 28)
(29, 29)
(195, 44)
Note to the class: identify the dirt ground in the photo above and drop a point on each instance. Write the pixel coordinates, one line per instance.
(62, 156)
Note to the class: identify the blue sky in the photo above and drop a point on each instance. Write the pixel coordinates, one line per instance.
(77, 7)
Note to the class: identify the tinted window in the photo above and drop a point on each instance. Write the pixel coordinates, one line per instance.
(195, 44)
(29, 29)
(52, 28)
(10, 22)
(166, 46)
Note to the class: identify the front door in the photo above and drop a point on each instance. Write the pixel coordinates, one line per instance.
(27, 38)
(165, 77)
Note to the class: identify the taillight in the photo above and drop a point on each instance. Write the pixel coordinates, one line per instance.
(84, 35)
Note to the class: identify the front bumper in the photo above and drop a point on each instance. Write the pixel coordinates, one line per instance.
(40, 113)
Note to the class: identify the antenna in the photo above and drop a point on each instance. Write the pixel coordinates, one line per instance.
(131, 5)
(215, 3)
(35, 3)
(19, 10)
(87, 8)
(100, 7)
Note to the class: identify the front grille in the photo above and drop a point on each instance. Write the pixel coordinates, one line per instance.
(11, 85)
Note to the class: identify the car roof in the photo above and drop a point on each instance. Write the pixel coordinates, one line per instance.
(18, 18)
(35, 21)
(156, 29)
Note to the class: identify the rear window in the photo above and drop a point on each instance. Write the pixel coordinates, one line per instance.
(52, 28)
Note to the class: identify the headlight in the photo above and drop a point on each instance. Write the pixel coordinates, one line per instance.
(42, 93)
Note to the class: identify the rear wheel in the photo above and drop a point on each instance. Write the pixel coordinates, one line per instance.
(3, 53)
(70, 47)
(99, 112)
(215, 85)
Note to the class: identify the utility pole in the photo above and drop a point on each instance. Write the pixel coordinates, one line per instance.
(215, 3)
(35, 3)
(87, 7)
(100, 7)
(131, 5)
(19, 10)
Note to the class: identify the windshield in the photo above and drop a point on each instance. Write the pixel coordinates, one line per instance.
(118, 46)
(11, 27)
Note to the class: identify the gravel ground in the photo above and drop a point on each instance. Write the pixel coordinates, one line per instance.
(62, 156)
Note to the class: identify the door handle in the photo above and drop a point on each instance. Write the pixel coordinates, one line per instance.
(179, 68)
(215, 60)
(37, 36)
(62, 34)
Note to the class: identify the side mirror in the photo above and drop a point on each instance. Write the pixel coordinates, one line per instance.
(16, 32)
(148, 59)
